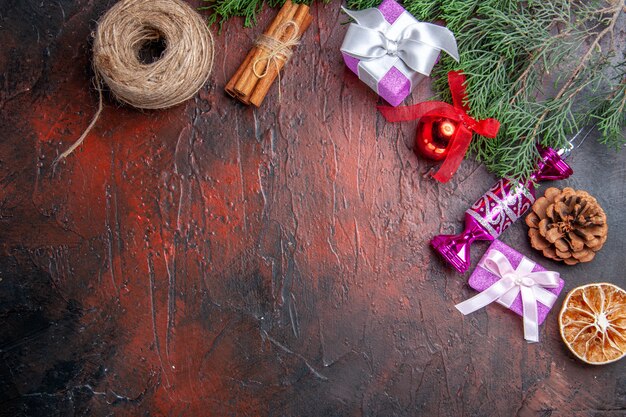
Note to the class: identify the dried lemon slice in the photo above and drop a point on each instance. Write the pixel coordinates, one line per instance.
(593, 323)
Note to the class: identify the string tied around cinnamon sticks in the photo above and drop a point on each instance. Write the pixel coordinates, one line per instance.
(271, 51)
(277, 51)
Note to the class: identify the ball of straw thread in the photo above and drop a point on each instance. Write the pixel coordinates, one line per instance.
(176, 76)
(182, 69)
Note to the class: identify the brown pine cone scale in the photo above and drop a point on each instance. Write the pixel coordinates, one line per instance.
(567, 225)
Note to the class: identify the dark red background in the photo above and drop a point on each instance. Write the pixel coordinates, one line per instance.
(217, 260)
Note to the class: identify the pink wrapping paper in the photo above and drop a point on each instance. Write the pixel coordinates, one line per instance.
(481, 279)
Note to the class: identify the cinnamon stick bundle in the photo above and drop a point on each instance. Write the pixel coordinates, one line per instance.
(254, 77)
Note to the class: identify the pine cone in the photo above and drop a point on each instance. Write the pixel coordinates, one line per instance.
(567, 225)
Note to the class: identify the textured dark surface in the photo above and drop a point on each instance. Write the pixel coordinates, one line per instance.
(218, 260)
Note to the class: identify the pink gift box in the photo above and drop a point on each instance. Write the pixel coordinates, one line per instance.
(481, 279)
(394, 87)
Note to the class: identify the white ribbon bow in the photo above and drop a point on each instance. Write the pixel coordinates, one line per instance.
(513, 281)
(381, 45)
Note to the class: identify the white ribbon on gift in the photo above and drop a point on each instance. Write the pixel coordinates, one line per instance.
(409, 45)
(513, 281)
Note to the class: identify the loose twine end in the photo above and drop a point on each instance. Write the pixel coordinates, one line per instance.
(79, 141)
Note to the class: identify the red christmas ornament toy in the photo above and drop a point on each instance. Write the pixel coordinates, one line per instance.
(444, 131)
(433, 137)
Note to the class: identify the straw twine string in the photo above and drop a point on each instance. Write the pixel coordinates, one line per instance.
(277, 49)
(174, 77)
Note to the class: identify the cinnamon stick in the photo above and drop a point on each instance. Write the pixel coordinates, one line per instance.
(248, 79)
(230, 87)
(303, 20)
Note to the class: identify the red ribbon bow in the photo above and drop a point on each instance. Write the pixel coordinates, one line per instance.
(456, 112)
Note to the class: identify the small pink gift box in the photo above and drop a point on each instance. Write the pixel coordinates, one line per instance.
(391, 51)
(481, 279)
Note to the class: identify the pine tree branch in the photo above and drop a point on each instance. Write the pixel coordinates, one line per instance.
(616, 11)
